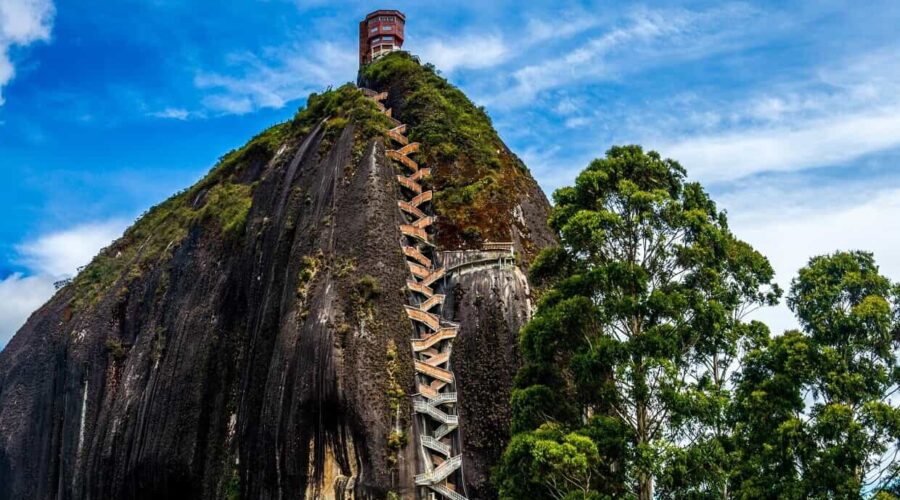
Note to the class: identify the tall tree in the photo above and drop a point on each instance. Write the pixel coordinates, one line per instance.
(771, 439)
(817, 414)
(635, 338)
(849, 310)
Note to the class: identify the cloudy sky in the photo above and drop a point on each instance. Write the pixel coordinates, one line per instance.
(790, 115)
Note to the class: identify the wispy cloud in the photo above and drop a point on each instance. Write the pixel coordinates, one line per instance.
(49, 258)
(275, 78)
(19, 297)
(647, 38)
(566, 24)
(827, 141)
(173, 114)
(22, 22)
(474, 51)
(59, 254)
(845, 111)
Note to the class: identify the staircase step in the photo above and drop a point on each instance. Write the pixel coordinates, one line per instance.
(420, 174)
(440, 472)
(410, 184)
(409, 149)
(418, 256)
(415, 232)
(434, 276)
(427, 319)
(422, 198)
(432, 302)
(410, 209)
(434, 372)
(424, 222)
(438, 359)
(445, 333)
(405, 160)
(399, 138)
(434, 444)
(419, 288)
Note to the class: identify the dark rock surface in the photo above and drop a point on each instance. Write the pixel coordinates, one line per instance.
(253, 365)
(229, 375)
(491, 303)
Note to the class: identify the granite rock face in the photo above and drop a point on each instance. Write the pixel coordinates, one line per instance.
(259, 362)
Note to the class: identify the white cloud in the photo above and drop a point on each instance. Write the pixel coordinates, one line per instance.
(790, 227)
(172, 113)
(59, 254)
(22, 22)
(476, 51)
(845, 111)
(276, 78)
(19, 297)
(828, 141)
(561, 26)
(651, 37)
(49, 258)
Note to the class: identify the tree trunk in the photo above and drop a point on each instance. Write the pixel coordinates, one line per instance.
(645, 478)
(645, 487)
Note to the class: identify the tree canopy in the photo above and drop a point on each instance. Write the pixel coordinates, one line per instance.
(638, 331)
(644, 378)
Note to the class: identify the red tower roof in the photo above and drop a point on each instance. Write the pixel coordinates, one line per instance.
(380, 33)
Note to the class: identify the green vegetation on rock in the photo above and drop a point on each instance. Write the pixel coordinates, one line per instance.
(477, 180)
(222, 200)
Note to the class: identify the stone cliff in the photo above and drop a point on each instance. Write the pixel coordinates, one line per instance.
(247, 338)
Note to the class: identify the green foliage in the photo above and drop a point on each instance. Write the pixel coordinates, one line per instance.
(477, 181)
(396, 394)
(309, 267)
(368, 288)
(219, 197)
(814, 413)
(229, 204)
(233, 489)
(641, 327)
(339, 108)
(397, 440)
(159, 344)
(550, 463)
(117, 350)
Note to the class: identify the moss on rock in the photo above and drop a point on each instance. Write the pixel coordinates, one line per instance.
(477, 180)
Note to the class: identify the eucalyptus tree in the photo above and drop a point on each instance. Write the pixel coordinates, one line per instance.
(816, 411)
(638, 330)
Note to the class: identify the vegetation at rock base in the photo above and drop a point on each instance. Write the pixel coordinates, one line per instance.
(475, 176)
(221, 201)
(643, 379)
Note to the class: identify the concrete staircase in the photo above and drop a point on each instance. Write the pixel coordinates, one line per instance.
(435, 404)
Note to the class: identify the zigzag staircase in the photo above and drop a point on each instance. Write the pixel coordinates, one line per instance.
(435, 402)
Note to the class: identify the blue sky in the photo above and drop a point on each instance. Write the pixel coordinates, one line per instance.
(790, 114)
